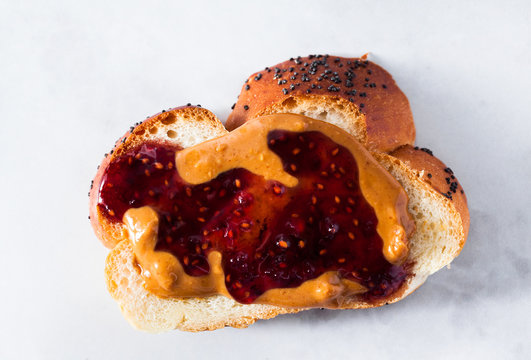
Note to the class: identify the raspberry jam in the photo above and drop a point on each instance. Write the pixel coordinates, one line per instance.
(270, 236)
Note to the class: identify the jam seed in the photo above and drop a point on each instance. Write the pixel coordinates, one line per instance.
(170, 165)
(147, 172)
(320, 186)
(197, 249)
(314, 200)
(293, 167)
(238, 284)
(350, 200)
(335, 151)
(203, 209)
(277, 190)
(351, 235)
(130, 160)
(151, 193)
(206, 188)
(166, 183)
(341, 260)
(158, 166)
(283, 244)
(188, 191)
(137, 156)
(200, 219)
(337, 199)
(301, 244)
(324, 174)
(145, 160)
(111, 212)
(322, 252)
(237, 183)
(227, 278)
(186, 260)
(245, 225)
(296, 151)
(356, 222)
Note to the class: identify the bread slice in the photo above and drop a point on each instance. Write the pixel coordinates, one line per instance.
(441, 221)
(352, 93)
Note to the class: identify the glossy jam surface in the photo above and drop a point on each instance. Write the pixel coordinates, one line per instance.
(270, 236)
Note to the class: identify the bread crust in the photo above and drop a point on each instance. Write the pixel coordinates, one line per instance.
(439, 176)
(385, 116)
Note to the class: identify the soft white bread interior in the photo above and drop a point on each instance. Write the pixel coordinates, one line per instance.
(441, 230)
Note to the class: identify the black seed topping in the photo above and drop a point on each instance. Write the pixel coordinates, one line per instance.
(426, 150)
(247, 87)
(258, 77)
(232, 107)
(285, 91)
(429, 175)
(246, 107)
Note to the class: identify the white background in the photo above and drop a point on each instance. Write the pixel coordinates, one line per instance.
(75, 75)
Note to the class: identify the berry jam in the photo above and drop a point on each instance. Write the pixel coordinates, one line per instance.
(270, 236)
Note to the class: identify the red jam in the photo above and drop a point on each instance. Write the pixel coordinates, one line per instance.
(270, 236)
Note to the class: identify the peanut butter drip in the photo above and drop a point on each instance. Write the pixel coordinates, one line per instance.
(247, 147)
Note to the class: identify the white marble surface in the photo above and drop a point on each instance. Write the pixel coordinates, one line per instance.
(75, 75)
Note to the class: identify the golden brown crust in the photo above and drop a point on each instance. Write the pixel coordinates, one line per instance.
(383, 106)
(439, 176)
(110, 233)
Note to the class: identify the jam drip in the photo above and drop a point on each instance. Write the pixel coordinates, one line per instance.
(270, 236)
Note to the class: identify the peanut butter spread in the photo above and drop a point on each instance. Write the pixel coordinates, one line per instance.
(248, 148)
